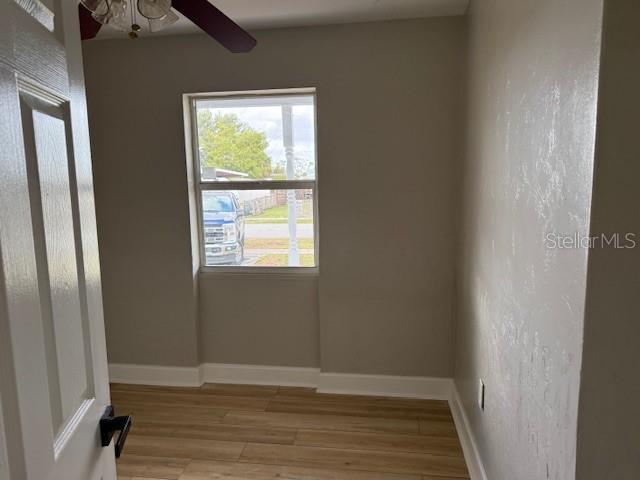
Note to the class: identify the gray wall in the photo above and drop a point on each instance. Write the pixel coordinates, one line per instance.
(609, 419)
(277, 325)
(150, 310)
(389, 97)
(532, 109)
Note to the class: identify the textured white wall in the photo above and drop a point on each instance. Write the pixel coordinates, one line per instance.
(533, 83)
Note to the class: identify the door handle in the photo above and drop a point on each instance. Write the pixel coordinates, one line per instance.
(109, 424)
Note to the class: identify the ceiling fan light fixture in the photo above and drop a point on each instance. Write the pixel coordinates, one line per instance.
(98, 7)
(154, 9)
(92, 14)
(157, 24)
(117, 16)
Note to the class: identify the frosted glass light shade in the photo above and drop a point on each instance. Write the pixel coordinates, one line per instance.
(117, 16)
(154, 9)
(157, 24)
(99, 7)
(120, 15)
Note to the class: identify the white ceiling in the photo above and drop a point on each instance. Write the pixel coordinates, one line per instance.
(260, 14)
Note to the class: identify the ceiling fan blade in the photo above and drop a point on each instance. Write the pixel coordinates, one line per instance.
(89, 26)
(216, 24)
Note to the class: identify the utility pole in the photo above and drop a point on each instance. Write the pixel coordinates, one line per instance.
(287, 136)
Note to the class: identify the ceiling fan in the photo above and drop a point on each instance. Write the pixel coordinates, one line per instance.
(124, 14)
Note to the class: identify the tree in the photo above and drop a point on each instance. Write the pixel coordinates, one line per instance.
(227, 142)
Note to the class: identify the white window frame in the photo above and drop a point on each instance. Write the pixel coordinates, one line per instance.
(200, 185)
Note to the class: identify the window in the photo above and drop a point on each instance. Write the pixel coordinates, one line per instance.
(255, 174)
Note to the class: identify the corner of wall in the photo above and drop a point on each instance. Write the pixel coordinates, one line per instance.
(193, 220)
(470, 448)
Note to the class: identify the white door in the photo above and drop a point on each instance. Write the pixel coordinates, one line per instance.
(53, 368)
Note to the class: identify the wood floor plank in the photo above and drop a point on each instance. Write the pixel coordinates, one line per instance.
(202, 415)
(129, 387)
(137, 466)
(322, 422)
(369, 400)
(429, 477)
(225, 432)
(198, 470)
(296, 391)
(240, 432)
(191, 399)
(140, 478)
(449, 446)
(417, 406)
(311, 406)
(206, 389)
(442, 429)
(332, 458)
(188, 448)
(240, 390)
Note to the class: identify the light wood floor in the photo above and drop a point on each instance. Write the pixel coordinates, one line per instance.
(240, 432)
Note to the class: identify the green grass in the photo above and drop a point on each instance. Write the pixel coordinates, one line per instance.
(276, 220)
(276, 243)
(280, 214)
(282, 260)
(281, 211)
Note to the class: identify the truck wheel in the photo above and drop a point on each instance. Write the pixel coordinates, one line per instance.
(240, 255)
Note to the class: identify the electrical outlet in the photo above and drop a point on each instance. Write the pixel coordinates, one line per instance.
(481, 394)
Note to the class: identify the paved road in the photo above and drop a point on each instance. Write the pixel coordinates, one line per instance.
(276, 230)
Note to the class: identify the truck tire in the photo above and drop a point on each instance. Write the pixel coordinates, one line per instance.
(240, 256)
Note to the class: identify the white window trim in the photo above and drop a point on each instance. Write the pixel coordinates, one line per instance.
(193, 165)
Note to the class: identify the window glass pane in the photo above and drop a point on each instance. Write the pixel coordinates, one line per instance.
(259, 228)
(257, 138)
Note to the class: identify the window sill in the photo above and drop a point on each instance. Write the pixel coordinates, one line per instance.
(281, 272)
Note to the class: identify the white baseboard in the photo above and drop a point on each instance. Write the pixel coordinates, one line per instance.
(345, 383)
(154, 375)
(467, 439)
(386, 385)
(259, 375)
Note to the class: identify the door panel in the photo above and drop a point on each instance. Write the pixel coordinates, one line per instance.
(45, 134)
(53, 369)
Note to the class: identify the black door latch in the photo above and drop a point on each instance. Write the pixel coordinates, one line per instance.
(109, 424)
